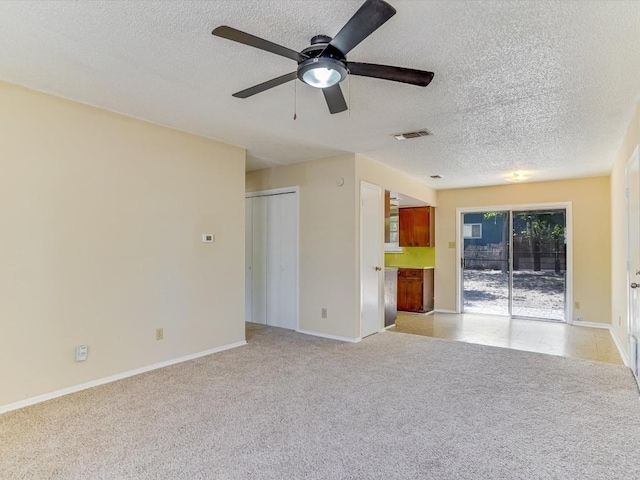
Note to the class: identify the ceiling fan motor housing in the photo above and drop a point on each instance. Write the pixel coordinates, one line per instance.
(320, 47)
(320, 39)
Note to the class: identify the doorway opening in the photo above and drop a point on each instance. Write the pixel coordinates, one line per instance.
(633, 260)
(514, 262)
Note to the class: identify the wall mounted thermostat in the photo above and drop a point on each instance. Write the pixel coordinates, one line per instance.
(81, 353)
(208, 237)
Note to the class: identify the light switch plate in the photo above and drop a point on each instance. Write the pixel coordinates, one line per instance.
(81, 353)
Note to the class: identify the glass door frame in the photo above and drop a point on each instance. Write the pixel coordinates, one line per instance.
(566, 206)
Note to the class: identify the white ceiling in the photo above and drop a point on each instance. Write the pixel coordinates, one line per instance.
(546, 87)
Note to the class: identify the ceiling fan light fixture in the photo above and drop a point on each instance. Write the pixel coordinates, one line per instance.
(322, 72)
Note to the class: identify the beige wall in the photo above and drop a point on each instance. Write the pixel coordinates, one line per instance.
(390, 179)
(590, 199)
(619, 232)
(100, 225)
(327, 240)
(329, 232)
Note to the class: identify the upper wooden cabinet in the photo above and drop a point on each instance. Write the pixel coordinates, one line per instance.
(417, 227)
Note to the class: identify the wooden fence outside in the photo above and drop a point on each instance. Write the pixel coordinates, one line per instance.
(551, 255)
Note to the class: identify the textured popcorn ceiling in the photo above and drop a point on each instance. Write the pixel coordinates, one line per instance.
(546, 87)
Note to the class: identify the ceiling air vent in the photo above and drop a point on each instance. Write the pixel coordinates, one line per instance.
(407, 135)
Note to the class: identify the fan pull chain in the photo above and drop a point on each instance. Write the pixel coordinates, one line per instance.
(295, 99)
(349, 92)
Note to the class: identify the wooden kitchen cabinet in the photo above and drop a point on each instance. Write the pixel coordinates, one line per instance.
(417, 227)
(415, 290)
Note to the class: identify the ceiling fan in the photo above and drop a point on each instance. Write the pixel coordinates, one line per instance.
(324, 63)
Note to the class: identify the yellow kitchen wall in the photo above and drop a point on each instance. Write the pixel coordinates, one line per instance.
(591, 200)
(619, 288)
(327, 241)
(102, 217)
(412, 257)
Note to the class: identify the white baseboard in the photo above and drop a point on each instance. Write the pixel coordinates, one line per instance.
(332, 337)
(621, 351)
(439, 310)
(580, 323)
(119, 376)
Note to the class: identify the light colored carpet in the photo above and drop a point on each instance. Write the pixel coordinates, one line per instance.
(289, 406)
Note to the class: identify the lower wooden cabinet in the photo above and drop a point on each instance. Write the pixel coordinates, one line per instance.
(415, 290)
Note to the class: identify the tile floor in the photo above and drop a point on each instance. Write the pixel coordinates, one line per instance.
(530, 335)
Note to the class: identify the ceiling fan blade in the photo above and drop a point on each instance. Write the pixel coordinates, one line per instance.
(266, 85)
(257, 42)
(335, 99)
(387, 72)
(371, 15)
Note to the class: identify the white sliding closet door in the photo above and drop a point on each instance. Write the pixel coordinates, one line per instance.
(272, 260)
(282, 261)
(289, 296)
(248, 258)
(259, 209)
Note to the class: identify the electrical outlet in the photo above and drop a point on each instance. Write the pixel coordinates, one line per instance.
(324, 313)
(159, 333)
(577, 305)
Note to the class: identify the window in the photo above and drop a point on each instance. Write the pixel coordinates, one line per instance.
(472, 230)
(393, 246)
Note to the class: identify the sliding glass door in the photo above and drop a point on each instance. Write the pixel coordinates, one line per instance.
(514, 263)
(539, 256)
(485, 262)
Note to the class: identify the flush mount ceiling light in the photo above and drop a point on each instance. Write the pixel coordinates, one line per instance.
(517, 176)
(322, 72)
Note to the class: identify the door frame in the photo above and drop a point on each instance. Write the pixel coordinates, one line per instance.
(632, 344)
(567, 206)
(280, 191)
(380, 257)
